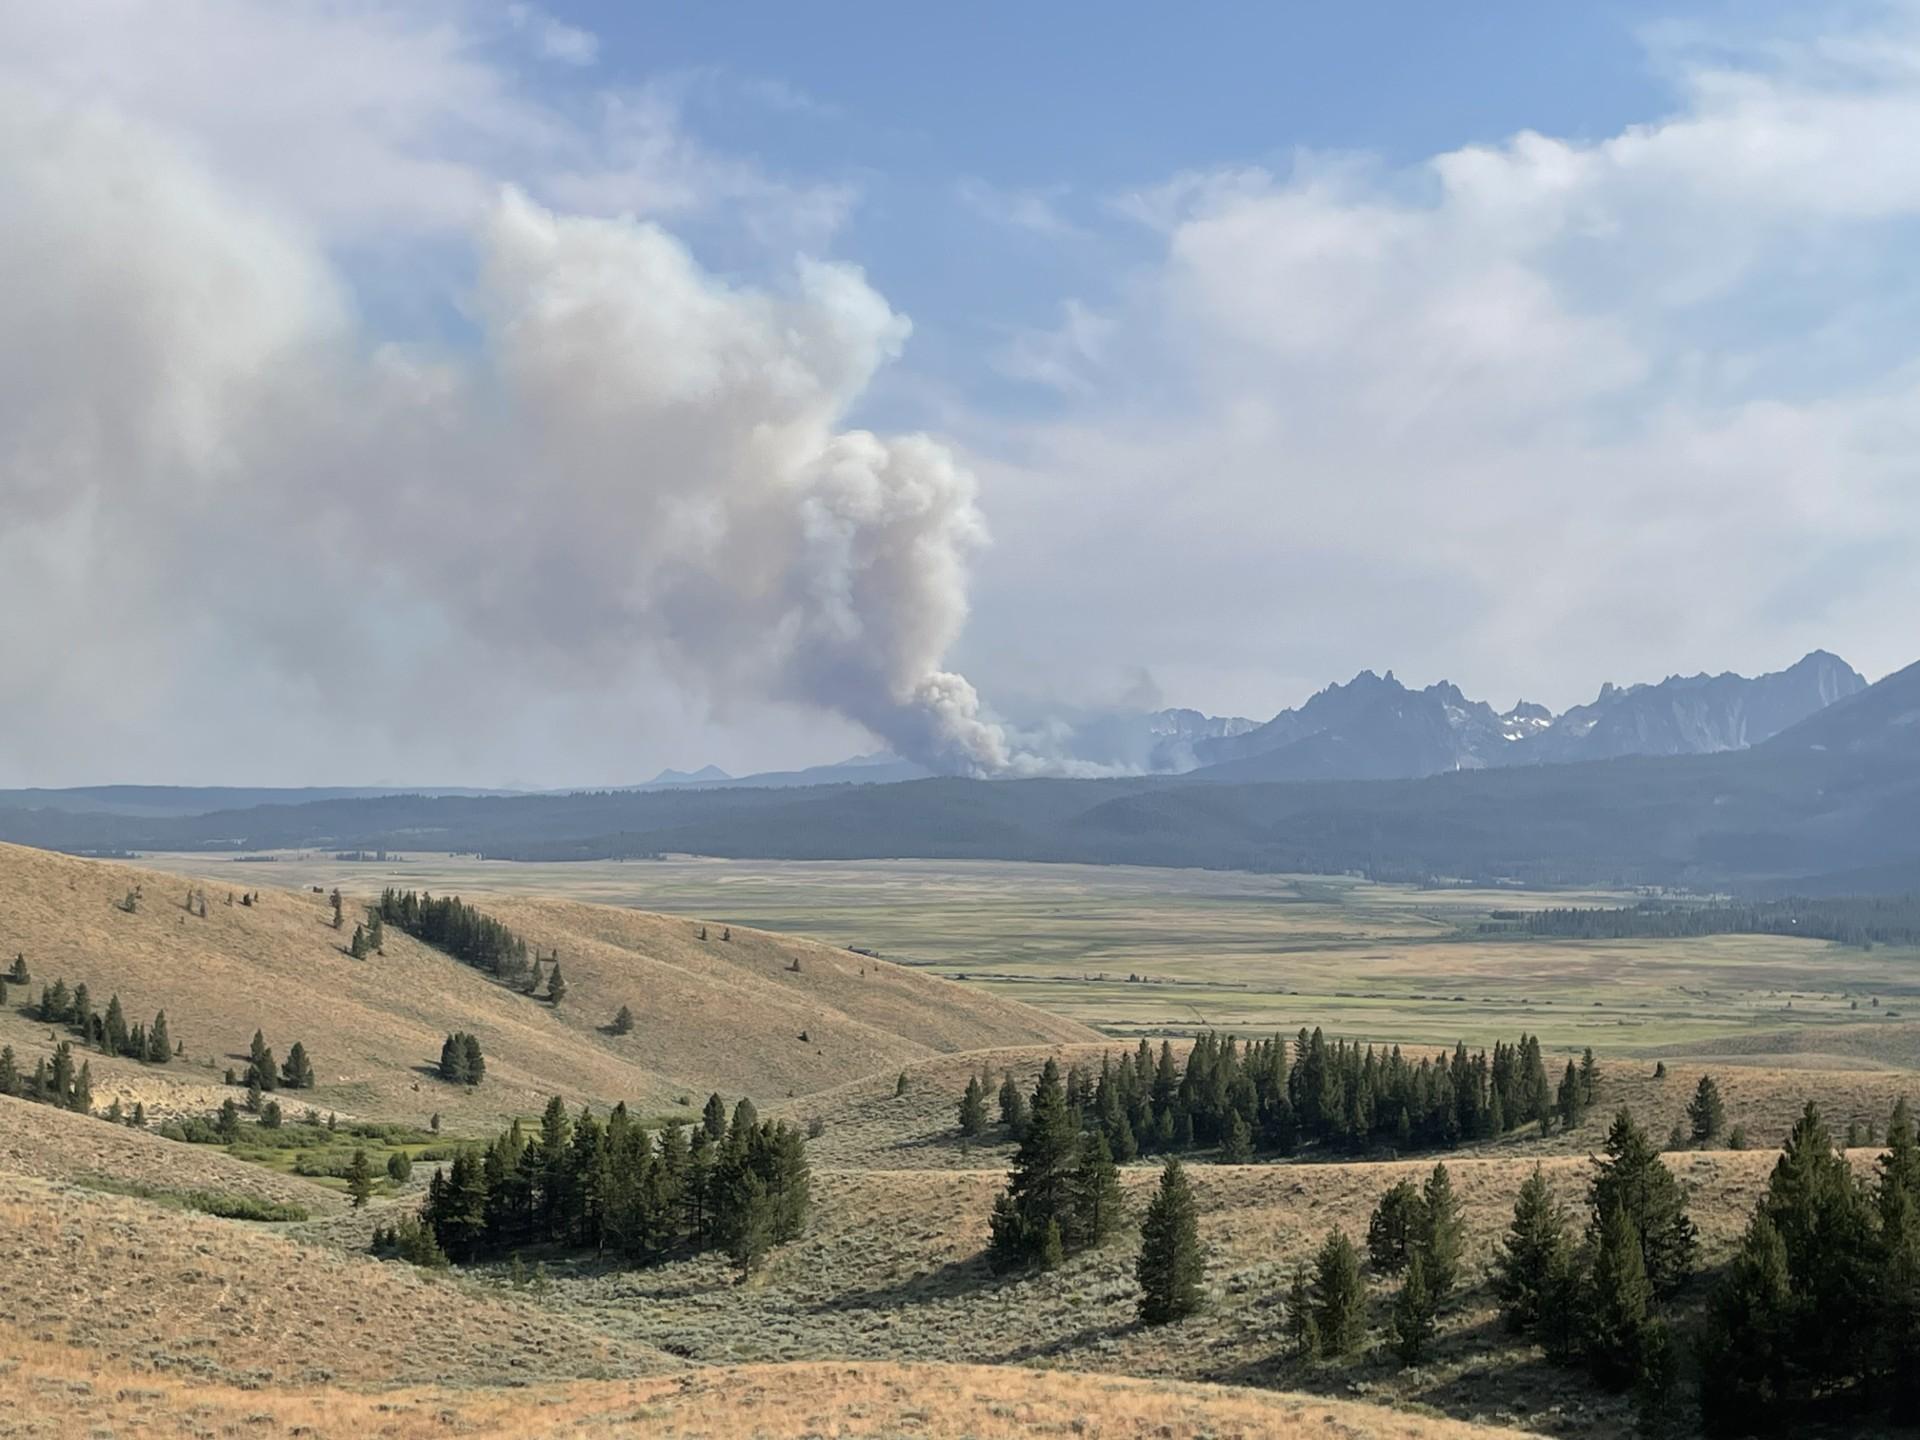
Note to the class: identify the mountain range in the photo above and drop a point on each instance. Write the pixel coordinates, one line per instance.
(1375, 728)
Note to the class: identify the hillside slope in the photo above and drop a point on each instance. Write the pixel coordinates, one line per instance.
(708, 1015)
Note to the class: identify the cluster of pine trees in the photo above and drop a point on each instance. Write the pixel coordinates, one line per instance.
(461, 1062)
(1063, 1194)
(1818, 1315)
(742, 1185)
(1598, 1300)
(58, 1084)
(263, 1075)
(459, 929)
(1257, 1098)
(1848, 920)
(106, 1031)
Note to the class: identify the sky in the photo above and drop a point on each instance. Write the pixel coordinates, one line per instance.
(501, 394)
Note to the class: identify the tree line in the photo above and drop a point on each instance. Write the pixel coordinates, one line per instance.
(465, 933)
(1259, 1098)
(104, 1030)
(742, 1185)
(1860, 920)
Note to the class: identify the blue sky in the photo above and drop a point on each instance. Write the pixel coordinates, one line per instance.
(611, 386)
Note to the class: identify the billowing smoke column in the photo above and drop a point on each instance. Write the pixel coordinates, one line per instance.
(635, 462)
(681, 437)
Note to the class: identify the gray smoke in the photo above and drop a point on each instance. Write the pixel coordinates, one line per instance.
(635, 458)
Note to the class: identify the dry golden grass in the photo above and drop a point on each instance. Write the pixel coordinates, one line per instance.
(710, 1015)
(54, 1390)
(240, 1303)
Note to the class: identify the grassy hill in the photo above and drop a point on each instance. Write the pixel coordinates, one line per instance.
(709, 1015)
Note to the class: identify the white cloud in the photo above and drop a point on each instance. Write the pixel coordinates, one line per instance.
(554, 39)
(1529, 414)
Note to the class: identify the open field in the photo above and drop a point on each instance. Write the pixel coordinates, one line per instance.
(1227, 950)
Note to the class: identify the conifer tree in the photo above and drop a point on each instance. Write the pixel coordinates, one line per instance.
(1038, 1183)
(1093, 1195)
(1572, 1099)
(271, 1116)
(358, 947)
(1705, 1112)
(1013, 1107)
(228, 1124)
(159, 1041)
(973, 1108)
(476, 1063)
(1236, 1145)
(376, 933)
(1442, 1233)
(1747, 1348)
(1394, 1230)
(339, 915)
(1589, 1078)
(115, 1023)
(1171, 1262)
(1414, 1309)
(1533, 1259)
(713, 1119)
(622, 1021)
(9, 1072)
(18, 975)
(61, 1075)
(453, 1060)
(1633, 1178)
(261, 1069)
(1303, 1330)
(1338, 1299)
(139, 1121)
(1620, 1301)
(297, 1073)
(81, 1100)
(556, 985)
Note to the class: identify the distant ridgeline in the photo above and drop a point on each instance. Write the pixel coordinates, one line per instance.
(459, 929)
(1848, 920)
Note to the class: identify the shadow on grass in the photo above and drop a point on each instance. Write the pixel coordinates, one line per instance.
(953, 1280)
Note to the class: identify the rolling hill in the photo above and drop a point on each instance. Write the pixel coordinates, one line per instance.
(709, 1015)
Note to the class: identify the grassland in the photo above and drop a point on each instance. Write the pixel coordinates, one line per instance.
(1134, 951)
(136, 1315)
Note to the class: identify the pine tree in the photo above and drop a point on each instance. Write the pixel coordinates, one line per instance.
(1747, 1348)
(1302, 1329)
(1442, 1233)
(476, 1063)
(1619, 1303)
(339, 914)
(713, 1118)
(556, 985)
(81, 1100)
(159, 1041)
(1533, 1257)
(1589, 1078)
(297, 1073)
(622, 1021)
(376, 933)
(453, 1060)
(1394, 1231)
(61, 1076)
(358, 947)
(115, 1024)
(9, 1072)
(228, 1124)
(973, 1108)
(271, 1116)
(1633, 1178)
(1013, 1108)
(1236, 1145)
(1338, 1299)
(18, 975)
(1413, 1313)
(260, 1067)
(1038, 1183)
(1093, 1195)
(1171, 1261)
(1705, 1112)
(1572, 1099)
